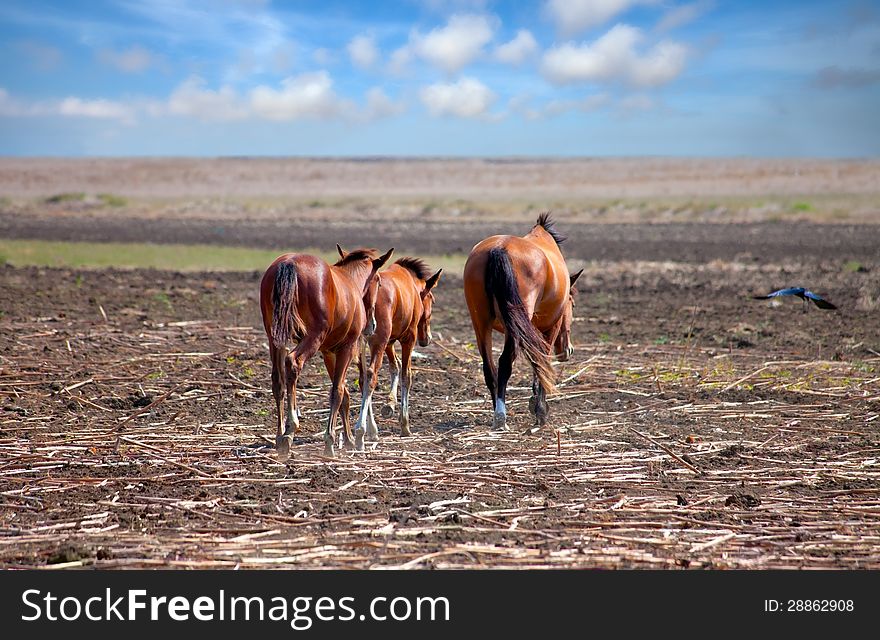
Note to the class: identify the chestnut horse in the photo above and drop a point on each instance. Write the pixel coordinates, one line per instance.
(319, 307)
(403, 307)
(521, 287)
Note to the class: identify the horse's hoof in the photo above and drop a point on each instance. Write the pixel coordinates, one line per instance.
(405, 432)
(499, 422)
(329, 446)
(359, 441)
(387, 410)
(372, 436)
(282, 447)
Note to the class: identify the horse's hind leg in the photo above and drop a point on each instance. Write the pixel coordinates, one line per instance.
(372, 428)
(344, 409)
(363, 385)
(505, 368)
(406, 349)
(277, 358)
(345, 405)
(490, 372)
(293, 365)
(376, 357)
(538, 401)
(291, 416)
(394, 368)
(337, 365)
(365, 429)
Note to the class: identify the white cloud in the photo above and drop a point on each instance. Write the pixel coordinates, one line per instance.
(660, 65)
(575, 16)
(104, 109)
(684, 14)
(518, 50)
(70, 107)
(457, 44)
(467, 98)
(614, 58)
(399, 60)
(191, 98)
(380, 105)
(132, 60)
(309, 95)
(363, 52)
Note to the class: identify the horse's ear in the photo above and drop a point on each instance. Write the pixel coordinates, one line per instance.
(342, 253)
(431, 282)
(574, 278)
(381, 260)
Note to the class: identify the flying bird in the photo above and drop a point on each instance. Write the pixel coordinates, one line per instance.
(801, 293)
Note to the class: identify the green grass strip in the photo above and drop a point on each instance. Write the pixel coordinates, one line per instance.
(173, 257)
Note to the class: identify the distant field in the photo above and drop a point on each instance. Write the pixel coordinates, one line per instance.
(501, 179)
(343, 191)
(161, 256)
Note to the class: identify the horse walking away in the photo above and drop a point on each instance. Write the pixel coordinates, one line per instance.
(402, 309)
(309, 306)
(521, 287)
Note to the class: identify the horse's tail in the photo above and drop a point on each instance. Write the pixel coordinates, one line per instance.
(501, 286)
(286, 322)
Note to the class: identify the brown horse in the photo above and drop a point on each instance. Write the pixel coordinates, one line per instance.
(522, 288)
(319, 307)
(402, 309)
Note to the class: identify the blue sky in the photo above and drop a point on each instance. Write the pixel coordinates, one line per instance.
(424, 77)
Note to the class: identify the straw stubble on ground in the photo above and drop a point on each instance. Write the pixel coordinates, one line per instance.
(691, 430)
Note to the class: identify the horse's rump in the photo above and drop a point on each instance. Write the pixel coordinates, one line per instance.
(502, 288)
(287, 324)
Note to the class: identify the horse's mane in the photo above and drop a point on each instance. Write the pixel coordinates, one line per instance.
(415, 266)
(357, 254)
(549, 225)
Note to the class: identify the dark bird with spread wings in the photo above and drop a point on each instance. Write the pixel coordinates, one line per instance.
(801, 293)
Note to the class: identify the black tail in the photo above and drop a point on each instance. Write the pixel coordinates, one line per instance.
(823, 304)
(286, 323)
(501, 286)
